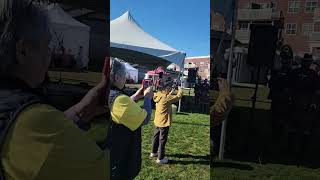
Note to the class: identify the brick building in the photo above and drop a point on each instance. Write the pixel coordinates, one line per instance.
(202, 63)
(301, 21)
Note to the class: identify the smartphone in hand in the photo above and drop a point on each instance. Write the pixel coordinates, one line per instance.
(145, 84)
(106, 68)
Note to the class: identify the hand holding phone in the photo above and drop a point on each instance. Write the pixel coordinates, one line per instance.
(106, 68)
(145, 84)
(148, 92)
(223, 85)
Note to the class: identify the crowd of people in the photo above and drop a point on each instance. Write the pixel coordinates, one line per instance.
(295, 94)
(201, 94)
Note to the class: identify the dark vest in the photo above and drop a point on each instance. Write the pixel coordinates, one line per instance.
(12, 102)
(125, 147)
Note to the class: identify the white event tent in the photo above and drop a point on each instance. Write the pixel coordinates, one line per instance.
(72, 33)
(132, 72)
(130, 42)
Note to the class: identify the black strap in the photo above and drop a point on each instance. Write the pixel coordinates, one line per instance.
(106, 142)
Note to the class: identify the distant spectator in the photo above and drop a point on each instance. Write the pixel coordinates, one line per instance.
(197, 91)
(204, 95)
(79, 58)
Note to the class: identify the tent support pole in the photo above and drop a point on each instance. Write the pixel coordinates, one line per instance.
(181, 75)
(224, 124)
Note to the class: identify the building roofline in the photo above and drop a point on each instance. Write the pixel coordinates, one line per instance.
(198, 57)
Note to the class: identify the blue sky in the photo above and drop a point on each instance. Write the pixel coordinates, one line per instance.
(182, 24)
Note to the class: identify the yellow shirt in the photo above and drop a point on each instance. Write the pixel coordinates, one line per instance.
(44, 145)
(163, 114)
(221, 108)
(125, 111)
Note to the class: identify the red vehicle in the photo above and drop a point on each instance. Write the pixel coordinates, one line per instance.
(153, 78)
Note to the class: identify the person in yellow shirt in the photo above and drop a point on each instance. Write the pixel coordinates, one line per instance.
(124, 136)
(162, 120)
(219, 110)
(39, 142)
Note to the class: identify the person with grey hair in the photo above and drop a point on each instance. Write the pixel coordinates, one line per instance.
(37, 140)
(124, 135)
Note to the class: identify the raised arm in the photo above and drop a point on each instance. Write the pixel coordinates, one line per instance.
(220, 110)
(175, 98)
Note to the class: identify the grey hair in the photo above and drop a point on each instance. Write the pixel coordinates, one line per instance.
(116, 68)
(20, 19)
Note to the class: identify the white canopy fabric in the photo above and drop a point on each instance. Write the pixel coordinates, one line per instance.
(73, 33)
(132, 72)
(127, 34)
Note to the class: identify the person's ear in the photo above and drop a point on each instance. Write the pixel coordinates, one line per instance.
(118, 77)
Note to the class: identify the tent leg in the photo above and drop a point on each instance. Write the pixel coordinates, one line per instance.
(229, 79)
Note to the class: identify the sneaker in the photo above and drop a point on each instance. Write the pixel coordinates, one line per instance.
(153, 155)
(163, 161)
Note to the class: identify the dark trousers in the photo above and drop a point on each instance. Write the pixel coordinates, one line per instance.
(125, 152)
(159, 141)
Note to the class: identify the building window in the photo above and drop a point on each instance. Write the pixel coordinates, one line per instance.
(201, 63)
(270, 5)
(264, 5)
(256, 6)
(307, 29)
(311, 5)
(291, 29)
(243, 25)
(244, 6)
(293, 6)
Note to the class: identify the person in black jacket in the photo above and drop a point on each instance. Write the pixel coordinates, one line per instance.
(124, 136)
(37, 140)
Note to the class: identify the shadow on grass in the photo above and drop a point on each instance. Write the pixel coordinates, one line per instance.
(189, 156)
(182, 162)
(232, 166)
(251, 141)
(194, 124)
(202, 160)
(184, 114)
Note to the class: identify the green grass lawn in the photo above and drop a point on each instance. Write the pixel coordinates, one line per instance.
(92, 78)
(237, 138)
(235, 170)
(188, 144)
(187, 149)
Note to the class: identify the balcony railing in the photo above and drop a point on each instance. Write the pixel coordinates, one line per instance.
(243, 36)
(314, 36)
(257, 14)
(316, 16)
